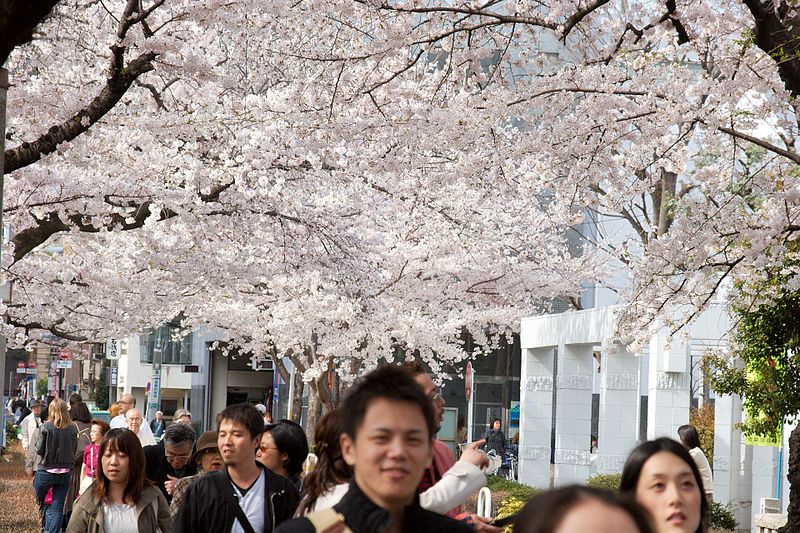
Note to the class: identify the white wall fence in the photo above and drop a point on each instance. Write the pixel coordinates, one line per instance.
(742, 474)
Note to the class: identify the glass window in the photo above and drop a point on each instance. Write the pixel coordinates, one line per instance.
(173, 351)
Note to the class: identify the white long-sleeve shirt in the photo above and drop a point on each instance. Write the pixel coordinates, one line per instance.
(27, 427)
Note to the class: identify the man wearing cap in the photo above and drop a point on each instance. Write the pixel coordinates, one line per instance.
(30, 423)
(262, 410)
(207, 458)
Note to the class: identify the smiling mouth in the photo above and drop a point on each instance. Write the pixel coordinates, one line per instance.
(395, 473)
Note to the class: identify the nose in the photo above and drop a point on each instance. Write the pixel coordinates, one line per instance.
(397, 448)
(674, 495)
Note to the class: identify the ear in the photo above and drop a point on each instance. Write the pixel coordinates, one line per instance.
(348, 449)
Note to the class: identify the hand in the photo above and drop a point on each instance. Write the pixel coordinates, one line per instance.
(481, 523)
(474, 455)
(169, 484)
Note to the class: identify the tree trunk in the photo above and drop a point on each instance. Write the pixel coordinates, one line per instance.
(793, 477)
(669, 182)
(299, 385)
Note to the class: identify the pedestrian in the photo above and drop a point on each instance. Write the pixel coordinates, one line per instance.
(122, 499)
(283, 449)
(245, 496)
(576, 509)
(56, 446)
(388, 432)
(157, 426)
(91, 455)
(30, 423)
(168, 461)
(207, 458)
(114, 410)
(691, 441)
(82, 420)
(495, 439)
(664, 479)
(126, 403)
(133, 419)
(448, 483)
(182, 416)
(21, 412)
(325, 486)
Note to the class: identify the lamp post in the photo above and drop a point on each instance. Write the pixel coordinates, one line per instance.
(3, 93)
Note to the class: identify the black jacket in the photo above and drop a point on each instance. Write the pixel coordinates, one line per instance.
(363, 516)
(205, 509)
(57, 446)
(157, 468)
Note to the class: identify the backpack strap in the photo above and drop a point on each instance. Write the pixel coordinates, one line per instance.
(232, 501)
(328, 521)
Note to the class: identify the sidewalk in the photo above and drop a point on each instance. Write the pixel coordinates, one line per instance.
(18, 510)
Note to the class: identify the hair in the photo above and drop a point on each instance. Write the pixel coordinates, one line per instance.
(177, 434)
(331, 468)
(58, 414)
(80, 413)
(180, 413)
(496, 420)
(689, 437)
(413, 367)
(544, 512)
(244, 414)
(104, 427)
(642, 453)
(75, 399)
(125, 441)
(289, 438)
(113, 411)
(389, 382)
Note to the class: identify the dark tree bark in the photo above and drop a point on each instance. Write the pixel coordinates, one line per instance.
(793, 476)
(18, 19)
(778, 34)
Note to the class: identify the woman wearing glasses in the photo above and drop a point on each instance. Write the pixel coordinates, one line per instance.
(283, 449)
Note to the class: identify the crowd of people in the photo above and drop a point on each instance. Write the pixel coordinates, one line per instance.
(379, 468)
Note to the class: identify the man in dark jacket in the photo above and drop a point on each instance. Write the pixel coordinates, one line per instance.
(388, 428)
(245, 496)
(168, 461)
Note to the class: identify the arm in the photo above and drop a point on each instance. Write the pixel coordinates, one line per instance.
(41, 446)
(164, 517)
(457, 484)
(24, 436)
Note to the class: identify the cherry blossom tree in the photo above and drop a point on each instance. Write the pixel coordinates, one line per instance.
(339, 181)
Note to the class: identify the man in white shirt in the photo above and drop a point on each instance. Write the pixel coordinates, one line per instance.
(30, 423)
(134, 420)
(127, 402)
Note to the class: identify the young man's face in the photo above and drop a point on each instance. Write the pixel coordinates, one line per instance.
(391, 450)
(235, 443)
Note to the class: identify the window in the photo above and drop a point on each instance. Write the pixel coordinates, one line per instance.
(173, 351)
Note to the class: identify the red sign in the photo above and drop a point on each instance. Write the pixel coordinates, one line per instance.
(468, 380)
(20, 364)
(65, 354)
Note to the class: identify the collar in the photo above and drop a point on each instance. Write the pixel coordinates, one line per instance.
(363, 515)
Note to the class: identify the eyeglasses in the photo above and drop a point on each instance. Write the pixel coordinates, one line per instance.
(135, 419)
(265, 448)
(181, 456)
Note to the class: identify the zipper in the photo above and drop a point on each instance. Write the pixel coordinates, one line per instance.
(272, 507)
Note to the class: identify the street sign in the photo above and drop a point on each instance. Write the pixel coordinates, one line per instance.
(65, 354)
(113, 380)
(22, 370)
(64, 363)
(32, 371)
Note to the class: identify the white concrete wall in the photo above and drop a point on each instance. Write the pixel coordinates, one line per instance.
(573, 419)
(619, 408)
(536, 413)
